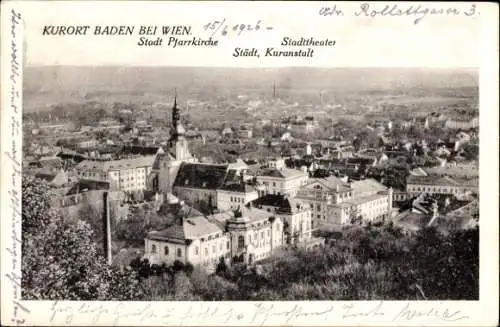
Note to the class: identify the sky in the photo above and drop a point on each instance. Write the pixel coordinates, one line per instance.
(435, 41)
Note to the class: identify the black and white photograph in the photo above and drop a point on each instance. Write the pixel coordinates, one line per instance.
(250, 184)
(249, 164)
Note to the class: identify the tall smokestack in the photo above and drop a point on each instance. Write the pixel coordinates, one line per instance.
(107, 228)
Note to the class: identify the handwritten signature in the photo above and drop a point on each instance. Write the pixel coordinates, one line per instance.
(408, 313)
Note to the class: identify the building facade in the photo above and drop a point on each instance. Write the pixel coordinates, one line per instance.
(234, 196)
(244, 236)
(416, 185)
(194, 240)
(297, 222)
(333, 201)
(282, 181)
(124, 174)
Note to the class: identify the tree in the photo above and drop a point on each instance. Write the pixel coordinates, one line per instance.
(221, 267)
(60, 259)
(354, 217)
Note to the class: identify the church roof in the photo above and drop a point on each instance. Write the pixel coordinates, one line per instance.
(201, 176)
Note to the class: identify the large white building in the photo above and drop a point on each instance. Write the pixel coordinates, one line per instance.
(297, 218)
(281, 181)
(462, 189)
(247, 235)
(334, 201)
(236, 195)
(195, 240)
(124, 174)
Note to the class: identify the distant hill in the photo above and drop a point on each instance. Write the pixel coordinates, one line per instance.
(57, 83)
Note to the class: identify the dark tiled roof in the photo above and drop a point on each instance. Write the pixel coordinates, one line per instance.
(360, 161)
(273, 200)
(142, 150)
(204, 176)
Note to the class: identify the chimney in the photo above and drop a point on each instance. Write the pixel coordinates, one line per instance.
(107, 228)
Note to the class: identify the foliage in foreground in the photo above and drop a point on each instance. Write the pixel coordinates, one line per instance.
(60, 259)
(371, 263)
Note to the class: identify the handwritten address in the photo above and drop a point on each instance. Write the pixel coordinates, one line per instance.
(416, 12)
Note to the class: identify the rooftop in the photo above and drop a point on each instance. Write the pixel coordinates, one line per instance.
(369, 185)
(190, 229)
(142, 150)
(441, 180)
(200, 175)
(282, 173)
(143, 161)
(273, 200)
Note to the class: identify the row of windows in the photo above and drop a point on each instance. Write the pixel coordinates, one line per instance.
(433, 189)
(237, 200)
(214, 248)
(131, 178)
(166, 250)
(212, 237)
(85, 174)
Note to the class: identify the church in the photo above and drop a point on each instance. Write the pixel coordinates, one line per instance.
(176, 171)
(238, 233)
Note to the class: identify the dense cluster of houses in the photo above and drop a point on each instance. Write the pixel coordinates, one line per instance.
(254, 208)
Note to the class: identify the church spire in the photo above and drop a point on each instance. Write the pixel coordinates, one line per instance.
(175, 112)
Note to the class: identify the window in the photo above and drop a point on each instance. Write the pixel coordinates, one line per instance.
(196, 250)
(227, 245)
(241, 242)
(206, 251)
(153, 248)
(274, 183)
(165, 250)
(213, 248)
(179, 253)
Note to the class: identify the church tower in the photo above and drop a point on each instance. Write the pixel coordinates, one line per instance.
(178, 143)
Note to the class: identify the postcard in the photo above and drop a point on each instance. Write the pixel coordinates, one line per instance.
(201, 163)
